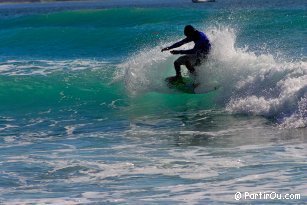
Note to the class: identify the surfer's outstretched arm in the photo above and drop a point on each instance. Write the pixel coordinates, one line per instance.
(178, 44)
(191, 51)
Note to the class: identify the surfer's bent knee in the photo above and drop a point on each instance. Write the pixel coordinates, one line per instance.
(181, 60)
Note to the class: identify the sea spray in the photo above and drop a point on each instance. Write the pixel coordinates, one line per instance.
(257, 84)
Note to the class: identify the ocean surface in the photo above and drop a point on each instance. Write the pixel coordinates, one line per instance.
(86, 118)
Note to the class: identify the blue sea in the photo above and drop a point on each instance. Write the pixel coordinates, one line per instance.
(86, 116)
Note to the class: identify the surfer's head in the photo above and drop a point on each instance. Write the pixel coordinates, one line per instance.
(189, 31)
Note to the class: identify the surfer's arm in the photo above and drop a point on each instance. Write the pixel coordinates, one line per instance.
(191, 51)
(178, 44)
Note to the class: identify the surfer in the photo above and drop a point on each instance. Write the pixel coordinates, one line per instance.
(193, 56)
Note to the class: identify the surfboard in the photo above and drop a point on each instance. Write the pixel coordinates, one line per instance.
(187, 85)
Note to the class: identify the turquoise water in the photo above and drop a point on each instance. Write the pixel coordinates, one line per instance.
(86, 118)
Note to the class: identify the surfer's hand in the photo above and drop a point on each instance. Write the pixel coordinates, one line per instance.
(175, 52)
(165, 49)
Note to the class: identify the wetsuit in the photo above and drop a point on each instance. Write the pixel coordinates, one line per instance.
(193, 56)
(202, 44)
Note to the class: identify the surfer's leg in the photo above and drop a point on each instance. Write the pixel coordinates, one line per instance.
(177, 69)
(188, 61)
(180, 61)
(190, 67)
(191, 62)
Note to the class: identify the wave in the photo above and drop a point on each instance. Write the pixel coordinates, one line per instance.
(71, 84)
(251, 84)
(261, 83)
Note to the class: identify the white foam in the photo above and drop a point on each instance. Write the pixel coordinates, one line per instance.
(256, 84)
(45, 67)
(142, 71)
